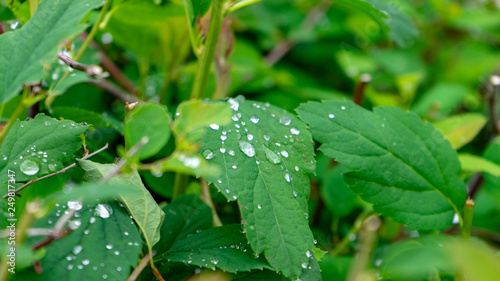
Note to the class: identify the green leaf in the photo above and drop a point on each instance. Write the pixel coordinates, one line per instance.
(476, 261)
(197, 8)
(148, 120)
(265, 154)
(23, 53)
(473, 164)
(38, 147)
(440, 100)
(461, 129)
(105, 244)
(193, 117)
(338, 197)
(185, 216)
(400, 164)
(140, 204)
(223, 247)
(81, 115)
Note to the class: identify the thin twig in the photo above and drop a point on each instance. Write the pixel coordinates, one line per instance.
(2, 29)
(312, 18)
(114, 90)
(90, 70)
(140, 267)
(205, 197)
(55, 173)
(116, 72)
(359, 92)
(57, 232)
(475, 184)
(130, 153)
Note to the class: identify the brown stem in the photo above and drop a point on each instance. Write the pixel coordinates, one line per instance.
(359, 92)
(130, 153)
(2, 29)
(55, 173)
(90, 70)
(205, 197)
(116, 72)
(492, 98)
(114, 90)
(140, 267)
(312, 18)
(475, 184)
(58, 231)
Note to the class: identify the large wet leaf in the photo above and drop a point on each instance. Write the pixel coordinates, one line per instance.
(104, 244)
(38, 147)
(265, 154)
(140, 203)
(400, 164)
(223, 247)
(24, 53)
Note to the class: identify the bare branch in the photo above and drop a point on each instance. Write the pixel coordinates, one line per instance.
(90, 70)
(53, 174)
(131, 152)
(140, 267)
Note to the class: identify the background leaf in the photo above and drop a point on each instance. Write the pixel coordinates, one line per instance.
(23, 53)
(400, 164)
(265, 154)
(38, 147)
(461, 129)
(474, 164)
(148, 120)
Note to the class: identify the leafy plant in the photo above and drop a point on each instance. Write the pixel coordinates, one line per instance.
(217, 140)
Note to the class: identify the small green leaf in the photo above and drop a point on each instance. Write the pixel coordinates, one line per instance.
(265, 154)
(104, 244)
(39, 147)
(440, 100)
(23, 53)
(140, 203)
(185, 216)
(81, 115)
(148, 120)
(461, 129)
(473, 164)
(338, 197)
(400, 164)
(223, 247)
(193, 117)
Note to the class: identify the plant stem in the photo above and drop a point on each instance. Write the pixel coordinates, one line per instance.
(492, 99)
(359, 92)
(240, 5)
(468, 217)
(207, 57)
(358, 224)
(180, 184)
(89, 38)
(205, 197)
(140, 267)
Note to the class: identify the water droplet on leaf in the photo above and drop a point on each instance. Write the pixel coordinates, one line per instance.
(285, 120)
(247, 148)
(29, 167)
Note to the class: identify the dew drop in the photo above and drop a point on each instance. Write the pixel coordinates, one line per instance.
(294, 131)
(259, 207)
(234, 167)
(309, 254)
(109, 246)
(250, 137)
(288, 177)
(208, 154)
(304, 265)
(331, 116)
(85, 262)
(285, 120)
(266, 137)
(52, 167)
(29, 167)
(235, 118)
(254, 119)
(234, 104)
(271, 156)
(117, 253)
(92, 220)
(47, 123)
(342, 107)
(297, 168)
(247, 148)
(295, 194)
(222, 150)
(4, 157)
(103, 210)
(284, 153)
(223, 137)
(77, 249)
(231, 152)
(214, 127)
(70, 266)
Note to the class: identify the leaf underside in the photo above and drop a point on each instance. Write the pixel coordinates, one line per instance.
(265, 154)
(400, 164)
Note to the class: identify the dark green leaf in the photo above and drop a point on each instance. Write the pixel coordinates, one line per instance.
(400, 164)
(223, 247)
(148, 120)
(197, 8)
(23, 53)
(265, 155)
(338, 197)
(81, 115)
(185, 216)
(38, 147)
